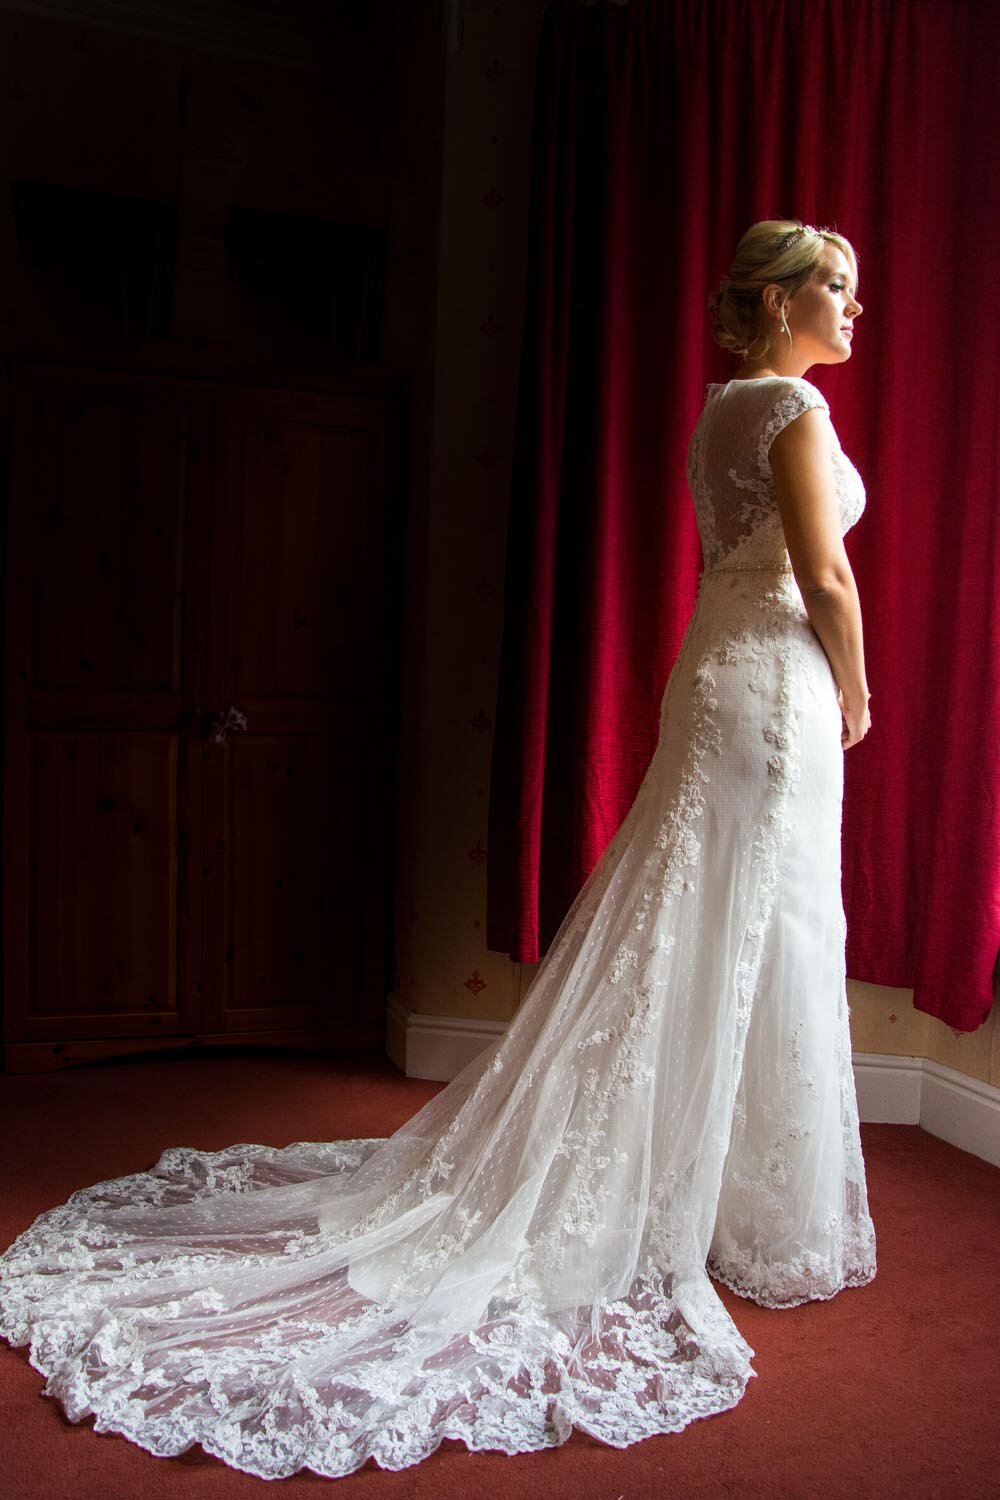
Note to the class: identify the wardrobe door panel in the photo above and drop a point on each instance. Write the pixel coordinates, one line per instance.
(104, 681)
(302, 670)
(104, 882)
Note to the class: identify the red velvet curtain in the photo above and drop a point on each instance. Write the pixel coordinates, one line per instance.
(663, 128)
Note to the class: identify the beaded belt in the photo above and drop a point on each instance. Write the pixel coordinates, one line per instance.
(750, 568)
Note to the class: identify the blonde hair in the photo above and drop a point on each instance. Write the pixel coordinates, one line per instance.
(780, 250)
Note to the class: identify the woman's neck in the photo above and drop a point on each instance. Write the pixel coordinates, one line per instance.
(755, 371)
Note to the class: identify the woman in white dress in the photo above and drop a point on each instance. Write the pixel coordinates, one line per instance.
(531, 1252)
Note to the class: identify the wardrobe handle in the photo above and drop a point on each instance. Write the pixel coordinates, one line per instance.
(225, 724)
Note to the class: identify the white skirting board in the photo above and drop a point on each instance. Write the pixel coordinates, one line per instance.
(435, 1047)
(891, 1090)
(918, 1091)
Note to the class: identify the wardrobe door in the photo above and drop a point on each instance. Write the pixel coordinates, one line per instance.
(105, 611)
(302, 687)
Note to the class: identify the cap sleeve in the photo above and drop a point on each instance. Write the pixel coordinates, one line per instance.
(791, 400)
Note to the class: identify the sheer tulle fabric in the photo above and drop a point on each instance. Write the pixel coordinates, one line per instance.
(530, 1253)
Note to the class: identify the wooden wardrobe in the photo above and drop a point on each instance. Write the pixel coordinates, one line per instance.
(201, 645)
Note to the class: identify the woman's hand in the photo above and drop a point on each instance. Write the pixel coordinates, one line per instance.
(856, 720)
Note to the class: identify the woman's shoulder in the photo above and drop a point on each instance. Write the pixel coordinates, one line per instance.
(765, 399)
(770, 388)
(798, 393)
(800, 383)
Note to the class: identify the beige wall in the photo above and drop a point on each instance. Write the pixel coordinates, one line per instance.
(883, 1020)
(444, 967)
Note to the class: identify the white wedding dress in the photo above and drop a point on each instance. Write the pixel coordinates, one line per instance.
(528, 1253)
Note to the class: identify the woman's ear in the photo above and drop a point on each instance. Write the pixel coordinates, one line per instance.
(771, 298)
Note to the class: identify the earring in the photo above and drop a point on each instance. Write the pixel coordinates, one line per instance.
(784, 324)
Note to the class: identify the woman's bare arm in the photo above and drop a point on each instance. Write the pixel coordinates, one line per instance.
(807, 501)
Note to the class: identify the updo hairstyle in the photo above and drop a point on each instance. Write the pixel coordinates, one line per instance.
(780, 250)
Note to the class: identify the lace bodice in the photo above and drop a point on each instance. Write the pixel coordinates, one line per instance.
(729, 468)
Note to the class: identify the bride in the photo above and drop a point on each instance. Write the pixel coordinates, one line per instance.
(531, 1253)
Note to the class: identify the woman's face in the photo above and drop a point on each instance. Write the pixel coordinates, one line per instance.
(820, 313)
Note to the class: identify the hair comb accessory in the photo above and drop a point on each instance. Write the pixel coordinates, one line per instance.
(790, 236)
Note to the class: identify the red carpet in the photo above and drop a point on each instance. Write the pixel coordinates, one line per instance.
(887, 1390)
